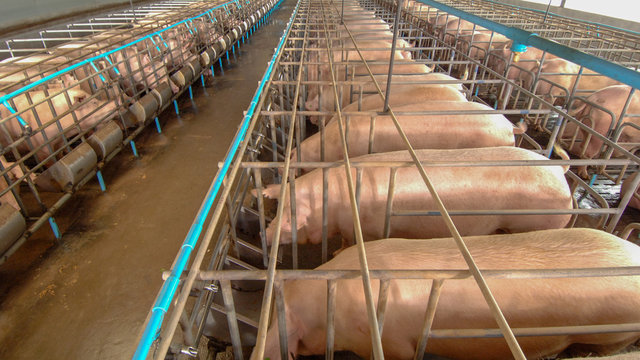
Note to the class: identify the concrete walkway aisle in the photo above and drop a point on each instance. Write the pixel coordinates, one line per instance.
(87, 296)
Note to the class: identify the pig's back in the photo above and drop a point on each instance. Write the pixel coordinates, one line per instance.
(545, 249)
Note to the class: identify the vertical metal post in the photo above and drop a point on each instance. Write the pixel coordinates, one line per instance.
(282, 319)
(383, 296)
(133, 11)
(232, 319)
(396, 24)
(331, 310)
(434, 296)
(544, 20)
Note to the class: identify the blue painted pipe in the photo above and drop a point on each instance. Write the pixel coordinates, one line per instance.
(604, 67)
(54, 227)
(169, 287)
(133, 148)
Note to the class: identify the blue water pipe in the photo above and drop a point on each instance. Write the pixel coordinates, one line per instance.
(169, 287)
(523, 37)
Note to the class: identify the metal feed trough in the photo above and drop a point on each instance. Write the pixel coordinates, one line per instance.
(66, 111)
(221, 298)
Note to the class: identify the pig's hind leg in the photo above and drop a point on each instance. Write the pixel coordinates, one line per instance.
(272, 343)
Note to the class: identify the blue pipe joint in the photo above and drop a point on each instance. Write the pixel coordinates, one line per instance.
(518, 47)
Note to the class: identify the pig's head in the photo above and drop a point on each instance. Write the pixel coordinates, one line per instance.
(498, 58)
(303, 211)
(91, 112)
(312, 105)
(174, 87)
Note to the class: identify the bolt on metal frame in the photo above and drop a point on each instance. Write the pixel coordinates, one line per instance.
(279, 124)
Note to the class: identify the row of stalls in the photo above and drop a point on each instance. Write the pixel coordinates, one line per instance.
(74, 97)
(307, 176)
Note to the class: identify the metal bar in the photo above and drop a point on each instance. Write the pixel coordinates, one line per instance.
(383, 297)
(486, 292)
(425, 163)
(169, 287)
(266, 300)
(432, 304)
(282, 320)
(434, 274)
(614, 71)
(396, 22)
(232, 320)
(331, 310)
(94, 58)
(364, 268)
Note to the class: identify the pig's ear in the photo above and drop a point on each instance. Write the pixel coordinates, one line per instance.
(77, 96)
(312, 105)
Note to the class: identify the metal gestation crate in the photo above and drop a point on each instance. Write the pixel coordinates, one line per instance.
(68, 111)
(224, 300)
(566, 90)
(154, 14)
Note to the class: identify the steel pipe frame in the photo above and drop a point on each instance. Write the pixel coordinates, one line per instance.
(520, 36)
(570, 96)
(532, 112)
(505, 112)
(68, 29)
(81, 135)
(290, 165)
(531, 18)
(364, 269)
(154, 320)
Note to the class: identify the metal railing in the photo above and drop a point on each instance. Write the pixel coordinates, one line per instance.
(69, 112)
(318, 56)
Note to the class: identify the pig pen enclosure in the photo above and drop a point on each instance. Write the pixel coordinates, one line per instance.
(76, 95)
(305, 178)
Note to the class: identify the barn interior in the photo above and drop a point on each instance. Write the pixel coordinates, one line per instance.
(174, 171)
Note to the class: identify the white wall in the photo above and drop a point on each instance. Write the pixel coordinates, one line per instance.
(24, 12)
(621, 9)
(590, 12)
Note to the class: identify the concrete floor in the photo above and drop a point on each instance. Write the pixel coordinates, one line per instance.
(87, 296)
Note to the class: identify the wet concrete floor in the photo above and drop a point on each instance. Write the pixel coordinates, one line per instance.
(87, 296)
